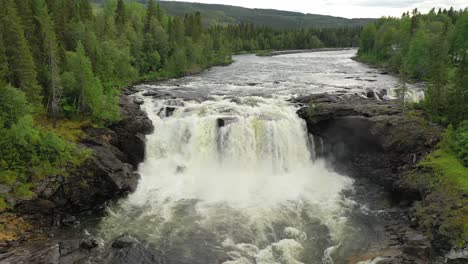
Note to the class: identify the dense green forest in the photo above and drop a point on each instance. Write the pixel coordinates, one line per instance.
(63, 64)
(213, 14)
(433, 48)
(248, 37)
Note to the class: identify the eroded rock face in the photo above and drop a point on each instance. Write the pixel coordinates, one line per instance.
(131, 131)
(107, 175)
(375, 140)
(50, 252)
(369, 138)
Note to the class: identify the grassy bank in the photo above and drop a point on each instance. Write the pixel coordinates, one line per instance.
(442, 180)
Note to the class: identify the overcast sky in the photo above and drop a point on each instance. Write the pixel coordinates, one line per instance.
(343, 8)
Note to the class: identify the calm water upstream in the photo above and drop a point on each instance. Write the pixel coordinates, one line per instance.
(231, 174)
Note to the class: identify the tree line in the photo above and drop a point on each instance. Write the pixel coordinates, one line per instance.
(72, 60)
(431, 47)
(246, 37)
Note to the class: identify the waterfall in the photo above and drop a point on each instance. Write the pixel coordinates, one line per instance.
(232, 180)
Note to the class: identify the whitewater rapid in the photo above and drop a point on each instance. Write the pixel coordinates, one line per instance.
(240, 170)
(232, 176)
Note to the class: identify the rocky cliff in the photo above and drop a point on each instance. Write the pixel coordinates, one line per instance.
(375, 140)
(63, 200)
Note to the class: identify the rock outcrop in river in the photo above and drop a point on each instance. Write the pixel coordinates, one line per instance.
(377, 141)
(369, 138)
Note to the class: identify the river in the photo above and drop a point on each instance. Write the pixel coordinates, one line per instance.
(231, 174)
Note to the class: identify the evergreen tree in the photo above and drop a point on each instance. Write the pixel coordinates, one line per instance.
(50, 51)
(84, 93)
(367, 38)
(120, 16)
(85, 10)
(151, 14)
(3, 64)
(21, 65)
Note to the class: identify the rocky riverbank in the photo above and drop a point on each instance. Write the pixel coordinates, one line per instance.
(374, 140)
(371, 140)
(63, 201)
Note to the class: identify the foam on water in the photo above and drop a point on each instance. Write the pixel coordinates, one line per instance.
(238, 171)
(231, 174)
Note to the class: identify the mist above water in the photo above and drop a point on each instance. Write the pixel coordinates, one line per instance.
(230, 174)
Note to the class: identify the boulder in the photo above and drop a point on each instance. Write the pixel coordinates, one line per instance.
(124, 241)
(128, 250)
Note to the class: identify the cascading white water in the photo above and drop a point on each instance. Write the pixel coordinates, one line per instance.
(232, 181)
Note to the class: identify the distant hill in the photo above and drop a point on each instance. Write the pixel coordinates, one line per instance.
(224, 14)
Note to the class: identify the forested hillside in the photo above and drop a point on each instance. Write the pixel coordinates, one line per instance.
(223, 14)
(433, 48)
(214, 14)
(63, 65)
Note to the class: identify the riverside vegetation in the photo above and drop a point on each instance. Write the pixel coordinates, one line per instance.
(433, 48)
(63, 64)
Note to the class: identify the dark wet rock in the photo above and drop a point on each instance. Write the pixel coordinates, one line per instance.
(138, 101)
(131, 129)
(220, 122)
(457, 256)
(175, 102)
(169, 110)
(128, 250)
(68, 246)
(69, 220)
(124, 241)
(417, 245)
(151, 93)
(224, 121)
(48, 253)
(370, 93)
(370, 138)
(382, 93)
(88, 243)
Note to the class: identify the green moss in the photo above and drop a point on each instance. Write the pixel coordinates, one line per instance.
(23, 191)
(3, 205)
(8, 177)
(312, 110)
(71, 130)
(443, 180)
(448, 167)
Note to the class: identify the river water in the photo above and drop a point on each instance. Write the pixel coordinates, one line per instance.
(231, 174)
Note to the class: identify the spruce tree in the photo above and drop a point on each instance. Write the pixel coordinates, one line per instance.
(3, 63)
(151, 14)
(21, 64)
(120, 16)
(85, 10)
(50, 51)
